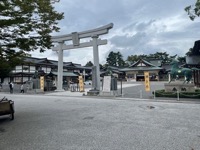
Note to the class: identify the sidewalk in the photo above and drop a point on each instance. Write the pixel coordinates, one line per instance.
(77, 93)
(67, 93)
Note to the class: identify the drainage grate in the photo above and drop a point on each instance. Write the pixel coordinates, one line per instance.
(150, 107)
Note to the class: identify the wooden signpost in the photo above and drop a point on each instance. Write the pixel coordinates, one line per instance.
(147, 83)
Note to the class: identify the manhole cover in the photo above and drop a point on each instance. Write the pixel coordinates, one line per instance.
(150, 107)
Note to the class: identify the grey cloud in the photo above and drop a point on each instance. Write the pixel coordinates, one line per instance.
(138, 24)
(129, 41)
(190, 32)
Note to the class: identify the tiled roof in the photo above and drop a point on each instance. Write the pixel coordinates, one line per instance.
(141, 68)
(157, 63)
(45, 61)
(142, 61)
(66, 74)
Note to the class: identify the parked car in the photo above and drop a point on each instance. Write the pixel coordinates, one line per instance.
(88, 82)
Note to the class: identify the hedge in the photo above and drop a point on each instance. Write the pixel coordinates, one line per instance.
(162, 93)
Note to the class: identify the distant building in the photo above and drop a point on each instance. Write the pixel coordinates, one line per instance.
(42, 66)
(136, 71)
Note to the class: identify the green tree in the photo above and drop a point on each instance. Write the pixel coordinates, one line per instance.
(111, 60)
(189, 52)
(133, 58)
(101, 66)
(120, 60)
(89, 64)
(115, 59)
(182, 59)
(25, 26)
(193, 10)
(163, 56)
(8, 62)
(158, 55)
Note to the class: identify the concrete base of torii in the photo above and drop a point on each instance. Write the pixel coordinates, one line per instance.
(60, 90)
(93, 92)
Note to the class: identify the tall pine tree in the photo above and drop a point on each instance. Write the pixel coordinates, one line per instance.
(115, 59)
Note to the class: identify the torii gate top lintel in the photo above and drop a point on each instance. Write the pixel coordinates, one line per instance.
(85, 34)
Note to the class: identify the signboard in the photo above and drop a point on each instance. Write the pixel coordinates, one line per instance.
(42, 83)
(81, 85)
(106, 83)
(147, 83)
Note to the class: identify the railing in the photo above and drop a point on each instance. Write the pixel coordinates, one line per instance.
(176, 94)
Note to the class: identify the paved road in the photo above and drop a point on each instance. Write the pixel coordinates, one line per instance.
(137, 89)
(129, 89)
(45, 122)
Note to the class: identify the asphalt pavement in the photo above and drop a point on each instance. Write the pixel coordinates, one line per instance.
(61, 122)
(126, 90)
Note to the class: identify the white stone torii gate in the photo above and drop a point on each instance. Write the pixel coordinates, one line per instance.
(75, 38)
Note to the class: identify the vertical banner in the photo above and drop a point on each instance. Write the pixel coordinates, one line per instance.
(147, 83)
(42, 83)
(81, 85)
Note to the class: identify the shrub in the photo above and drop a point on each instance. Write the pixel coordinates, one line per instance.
(162, 93)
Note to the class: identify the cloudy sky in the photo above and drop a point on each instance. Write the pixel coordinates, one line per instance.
(140, 27)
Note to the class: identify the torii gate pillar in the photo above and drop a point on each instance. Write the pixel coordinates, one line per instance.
(60, 68)
(96, 62)
(75, 38)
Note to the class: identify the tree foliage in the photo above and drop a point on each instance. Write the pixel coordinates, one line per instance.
(115, 59)
(89, 64)
(133, 58)
(193, 10)
(158, 55)
(9, 62)
(25, 26)
(189, 52)
(181, 59)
